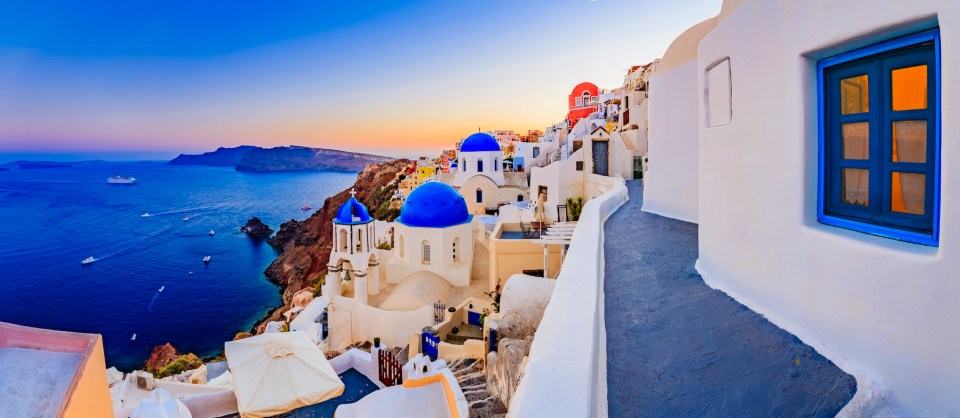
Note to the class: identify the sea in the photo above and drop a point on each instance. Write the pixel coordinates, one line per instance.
(53, 218)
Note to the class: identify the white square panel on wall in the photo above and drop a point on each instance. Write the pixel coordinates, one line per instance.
(719, 94)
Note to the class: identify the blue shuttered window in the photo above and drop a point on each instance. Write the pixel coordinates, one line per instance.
(880, 139)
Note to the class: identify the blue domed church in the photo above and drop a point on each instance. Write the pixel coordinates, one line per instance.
(480, 177)
(434, 233)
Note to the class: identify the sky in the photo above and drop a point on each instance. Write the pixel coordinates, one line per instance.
(152, 79)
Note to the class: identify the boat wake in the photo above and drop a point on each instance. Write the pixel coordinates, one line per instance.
(154, 300)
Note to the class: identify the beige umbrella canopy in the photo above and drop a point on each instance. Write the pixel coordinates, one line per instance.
(278, 372)
(541, 203)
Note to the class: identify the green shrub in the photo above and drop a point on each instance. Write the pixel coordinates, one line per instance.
(383, 246)
(574, 207)
(179, 365)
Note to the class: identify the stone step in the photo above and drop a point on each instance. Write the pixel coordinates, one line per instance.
(489, 407)
(472, 379)
(475, 368)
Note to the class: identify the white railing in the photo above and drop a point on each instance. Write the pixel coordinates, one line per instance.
(566, 375)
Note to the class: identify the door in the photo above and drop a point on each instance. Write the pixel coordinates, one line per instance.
(600, 158)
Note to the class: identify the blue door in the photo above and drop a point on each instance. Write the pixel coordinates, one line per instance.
(430, 344)
(473, 318)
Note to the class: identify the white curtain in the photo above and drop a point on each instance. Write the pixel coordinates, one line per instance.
(910, 141)
(856, 186)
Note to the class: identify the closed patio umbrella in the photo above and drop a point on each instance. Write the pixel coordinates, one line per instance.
(278, 372)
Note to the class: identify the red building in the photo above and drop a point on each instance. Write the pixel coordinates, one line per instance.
(582, 102)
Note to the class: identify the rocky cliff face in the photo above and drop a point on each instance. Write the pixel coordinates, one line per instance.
(305, 246)
(222, 157)
(306, 159)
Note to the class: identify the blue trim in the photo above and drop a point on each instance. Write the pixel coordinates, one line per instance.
(931, 239)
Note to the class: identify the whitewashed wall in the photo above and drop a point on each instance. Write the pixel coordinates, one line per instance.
(550, 387)
(351, 321)
(883, 310)
(670, 185)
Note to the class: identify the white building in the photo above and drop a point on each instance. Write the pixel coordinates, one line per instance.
(811, 151)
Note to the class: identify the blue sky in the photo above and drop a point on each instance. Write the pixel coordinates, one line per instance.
(153, 79)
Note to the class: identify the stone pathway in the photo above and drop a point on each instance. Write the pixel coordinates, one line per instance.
(677, 348)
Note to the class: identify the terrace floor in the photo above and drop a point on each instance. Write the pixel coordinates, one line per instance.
(676, 347)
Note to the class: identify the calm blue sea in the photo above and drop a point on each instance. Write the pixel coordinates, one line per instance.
(51, 219)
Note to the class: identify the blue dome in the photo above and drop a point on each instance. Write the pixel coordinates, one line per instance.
(434, 205)
(479, 142)
(352, 212)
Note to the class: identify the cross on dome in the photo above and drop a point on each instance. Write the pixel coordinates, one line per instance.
(353, 192)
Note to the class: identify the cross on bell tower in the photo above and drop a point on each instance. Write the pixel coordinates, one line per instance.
(353, 192)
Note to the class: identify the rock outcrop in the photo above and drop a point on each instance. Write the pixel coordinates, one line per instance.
(305, 245)
(292, 158)
(295, 158)
(160, 357)
(222, 157)
(256, 228)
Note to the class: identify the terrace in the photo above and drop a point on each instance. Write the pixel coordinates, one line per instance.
(676, 347)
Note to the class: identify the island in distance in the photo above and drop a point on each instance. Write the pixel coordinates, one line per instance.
(291, 158)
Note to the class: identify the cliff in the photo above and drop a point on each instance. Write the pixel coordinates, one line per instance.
(295, 158)
(305, 245)
(222, 157)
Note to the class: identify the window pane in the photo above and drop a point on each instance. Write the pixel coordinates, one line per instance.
(856, 141)
(856, 186)
(910, 141)
(908, 192)
(909, 88)
(854, 96)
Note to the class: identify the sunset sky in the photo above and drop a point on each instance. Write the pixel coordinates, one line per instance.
(151, 79)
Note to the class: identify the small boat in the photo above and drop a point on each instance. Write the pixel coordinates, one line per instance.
(87, 260)
(206, 259)
(305, 207)
(134, 337)
(186, 218)
(146, 215)
(118, 179)
(190, 273)
(161, 289)
(211, 232)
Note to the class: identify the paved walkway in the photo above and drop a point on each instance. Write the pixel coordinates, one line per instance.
(677, 348)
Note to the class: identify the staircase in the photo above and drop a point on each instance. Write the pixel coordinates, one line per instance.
(466, 332)
(473, 382)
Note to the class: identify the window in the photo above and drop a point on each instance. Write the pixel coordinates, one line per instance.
(464, 165)
(480, 165)
(495, 164)
(455, 242)
(426, 252)
(479, 195)
(880, 139)
(536, 152)
(519, 198)
(719, 94)
(579, 102)
(400, 246)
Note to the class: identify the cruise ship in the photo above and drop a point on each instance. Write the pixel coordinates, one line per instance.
(118, 179)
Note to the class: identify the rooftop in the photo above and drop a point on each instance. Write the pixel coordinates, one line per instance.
(676, 347)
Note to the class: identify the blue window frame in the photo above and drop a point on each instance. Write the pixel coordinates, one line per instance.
(879, 148)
